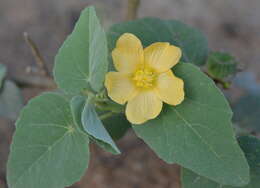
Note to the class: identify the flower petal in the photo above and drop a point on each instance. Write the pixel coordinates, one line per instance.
(169, 88)
(120, 87)
(128, 54)
(161, 56)
(146, 105)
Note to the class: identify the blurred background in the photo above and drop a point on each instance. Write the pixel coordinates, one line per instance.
(230, 25)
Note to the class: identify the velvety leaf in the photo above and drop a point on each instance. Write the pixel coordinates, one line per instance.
(11, 100)
(246, 112)
(48, 150)
(149, 30)
(82, 59)
(77, 104)
(250, 145)
(2, 74)
(117, 125)
(221, 65)
(95, 128)
(192, 180)
(197, 134)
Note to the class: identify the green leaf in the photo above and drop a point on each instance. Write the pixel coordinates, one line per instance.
(221, 65)
(117, 126)
(149, 30)
(250, 146)
(2, 74)
(48, 150)
(197, 134)
(192, 180)
(11, 100)
(82, 59)
(94, 127)
(246, 112)
(77, 104)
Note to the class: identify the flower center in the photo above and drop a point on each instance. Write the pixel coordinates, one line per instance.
(144, 78)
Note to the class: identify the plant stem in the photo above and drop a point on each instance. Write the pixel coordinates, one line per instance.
(88, 93)
(106, 115)
(132, 8)
(109, 106)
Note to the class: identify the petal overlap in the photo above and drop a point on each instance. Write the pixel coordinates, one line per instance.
(120, 87)
(169, 88)
(146, 105)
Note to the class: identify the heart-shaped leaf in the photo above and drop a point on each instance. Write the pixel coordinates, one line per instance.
(48, 149)
(197, 134)
(250, 146)
(82, 59)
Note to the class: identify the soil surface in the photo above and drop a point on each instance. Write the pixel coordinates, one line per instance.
(231, 26)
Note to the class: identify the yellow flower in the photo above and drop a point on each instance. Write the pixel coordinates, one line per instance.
(144, 79)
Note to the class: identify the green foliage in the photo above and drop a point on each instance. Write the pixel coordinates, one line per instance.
(48, 149)
(117, 125)
(50, 145)
(77, 104)
(149, 30)
(197, 134)
(250, 145)
(94, 127)
(246, 112)
(11, 100)
(85, 116)
(221, 65)
(2, 74)
(82, 59)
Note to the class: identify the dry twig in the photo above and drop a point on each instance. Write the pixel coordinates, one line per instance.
(34, 81)
(132, 8)
(37, 55)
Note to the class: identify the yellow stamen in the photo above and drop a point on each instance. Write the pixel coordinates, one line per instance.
(144, 78)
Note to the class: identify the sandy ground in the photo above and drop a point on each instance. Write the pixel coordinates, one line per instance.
(231, 26)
